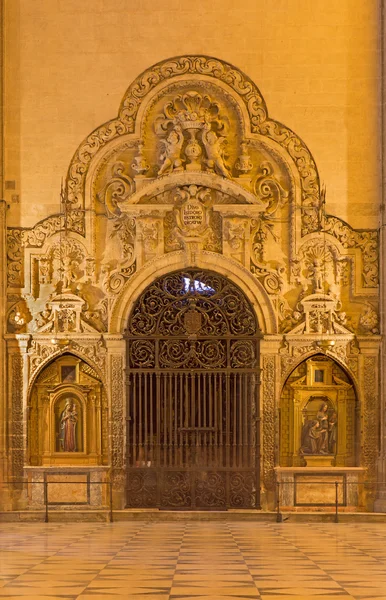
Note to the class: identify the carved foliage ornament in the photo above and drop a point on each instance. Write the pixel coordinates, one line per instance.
(241, 85)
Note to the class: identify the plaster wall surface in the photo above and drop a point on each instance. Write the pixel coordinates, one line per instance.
(68, 64)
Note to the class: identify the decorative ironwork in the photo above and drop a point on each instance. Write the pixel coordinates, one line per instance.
(223, 308)
(192, 395)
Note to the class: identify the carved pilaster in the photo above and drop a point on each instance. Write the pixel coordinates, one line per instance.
(3, 379)
(116, 350)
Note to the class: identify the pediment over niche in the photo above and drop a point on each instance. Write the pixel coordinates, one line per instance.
(225, 197)
(319, 313)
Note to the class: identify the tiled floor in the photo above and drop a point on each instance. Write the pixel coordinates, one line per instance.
(190, 560)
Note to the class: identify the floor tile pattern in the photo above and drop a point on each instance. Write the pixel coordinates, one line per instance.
(190, 560)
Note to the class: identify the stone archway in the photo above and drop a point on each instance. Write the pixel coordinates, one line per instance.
(192, 407)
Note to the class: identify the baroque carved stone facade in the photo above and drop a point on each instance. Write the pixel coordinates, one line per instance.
(193, 172)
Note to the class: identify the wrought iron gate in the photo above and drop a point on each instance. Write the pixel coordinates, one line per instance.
(192, 414)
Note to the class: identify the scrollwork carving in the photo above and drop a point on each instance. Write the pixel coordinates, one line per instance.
(117, 189)
(95, 352)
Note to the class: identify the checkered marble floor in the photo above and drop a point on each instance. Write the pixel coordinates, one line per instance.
(189, 560)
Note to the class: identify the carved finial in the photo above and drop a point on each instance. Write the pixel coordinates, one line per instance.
(244, 164)
(140, 164)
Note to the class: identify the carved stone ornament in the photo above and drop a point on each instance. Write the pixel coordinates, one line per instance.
(117, 412)
(192, 221)
(320, 314)
(140, 164)
(365, 241)
(269, 421)
(194, 108)
(16, 424)
(189, 114)
(18, 239)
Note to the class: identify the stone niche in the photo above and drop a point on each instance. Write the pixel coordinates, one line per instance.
(319, 437)
(67, 429)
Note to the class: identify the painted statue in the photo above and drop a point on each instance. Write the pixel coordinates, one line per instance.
(311, 438)
(319, 435)
(322, 417)
(67, 427)
(332, 433)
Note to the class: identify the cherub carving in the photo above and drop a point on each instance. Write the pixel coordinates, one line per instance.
(171, 155)
(214, 151)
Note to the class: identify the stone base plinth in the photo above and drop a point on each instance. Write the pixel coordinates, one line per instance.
(316, 487)
(67, 486)
(318, 460)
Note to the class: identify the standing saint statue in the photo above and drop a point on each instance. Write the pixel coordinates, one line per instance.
(322, 417)
(67, 427)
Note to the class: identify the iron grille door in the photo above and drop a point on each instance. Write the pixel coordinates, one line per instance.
(192, 413)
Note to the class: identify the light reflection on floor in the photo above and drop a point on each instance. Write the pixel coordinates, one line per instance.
(186, 560)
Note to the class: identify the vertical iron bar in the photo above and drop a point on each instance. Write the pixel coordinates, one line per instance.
(46, 500)
(146, 422)
(175, 417)
(205, 423)
(140, 445)
(165, 416)
(170, 419)
(336, 502)
(211, 420)
(227, 420)
(134, 443)
(151, 382)
(158, 422)
(110, 483)
(279, 516)
(233, 404)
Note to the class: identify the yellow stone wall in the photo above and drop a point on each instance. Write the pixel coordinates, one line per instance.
(68, 63)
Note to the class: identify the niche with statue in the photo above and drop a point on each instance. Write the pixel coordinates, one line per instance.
(68, 415)
(318, 425)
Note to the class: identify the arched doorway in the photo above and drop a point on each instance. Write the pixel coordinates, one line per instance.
(192, 413)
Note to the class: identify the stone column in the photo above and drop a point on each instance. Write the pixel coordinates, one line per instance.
(370, 411)
(17, 382)
(269, 411)
(116, 349)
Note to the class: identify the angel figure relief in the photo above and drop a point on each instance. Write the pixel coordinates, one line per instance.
(171, 155)
(214, 151)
